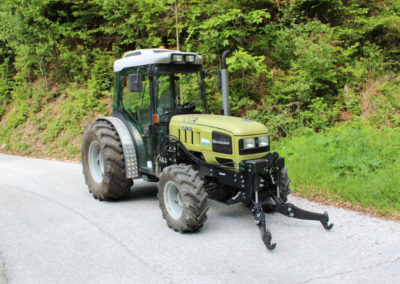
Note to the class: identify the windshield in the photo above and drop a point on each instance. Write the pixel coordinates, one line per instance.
(178, 86)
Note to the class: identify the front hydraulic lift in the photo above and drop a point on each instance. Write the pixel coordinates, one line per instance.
(247, 179)
(252, 170)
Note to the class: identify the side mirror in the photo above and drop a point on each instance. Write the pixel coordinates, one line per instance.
(135, 82)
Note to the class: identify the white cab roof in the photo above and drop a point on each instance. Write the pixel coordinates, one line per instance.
(142, 57)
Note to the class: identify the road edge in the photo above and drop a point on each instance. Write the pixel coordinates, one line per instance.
(3, 276)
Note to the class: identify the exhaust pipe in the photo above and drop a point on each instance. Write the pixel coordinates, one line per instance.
(225, 84)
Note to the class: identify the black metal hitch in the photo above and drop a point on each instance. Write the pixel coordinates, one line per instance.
(286, 209)
(292, 211)
(259, 218)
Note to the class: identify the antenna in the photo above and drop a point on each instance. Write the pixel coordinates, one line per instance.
(176, 25)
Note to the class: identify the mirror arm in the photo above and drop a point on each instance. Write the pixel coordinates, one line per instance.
(205, 72)
(209, 69)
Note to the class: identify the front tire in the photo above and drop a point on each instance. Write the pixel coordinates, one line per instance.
(283, 182)
(103, 162)
(182, 197)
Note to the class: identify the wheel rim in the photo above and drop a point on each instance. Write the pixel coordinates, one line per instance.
(96, 162)
(173, 200)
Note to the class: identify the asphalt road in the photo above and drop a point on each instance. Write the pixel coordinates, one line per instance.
(53, 231)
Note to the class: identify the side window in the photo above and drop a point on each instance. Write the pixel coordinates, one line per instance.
(188, 88)
(138, 102)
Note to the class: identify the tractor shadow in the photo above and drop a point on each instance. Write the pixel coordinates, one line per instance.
(141, 190)
(228, 211)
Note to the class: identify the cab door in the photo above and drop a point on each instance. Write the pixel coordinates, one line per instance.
(165, 104)
(137, 107)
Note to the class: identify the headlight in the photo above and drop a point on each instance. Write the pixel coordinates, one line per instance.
(263, 141)
(189, 58)
(249, 143)
(177, 57)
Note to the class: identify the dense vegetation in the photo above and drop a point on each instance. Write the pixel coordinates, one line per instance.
(323, 75)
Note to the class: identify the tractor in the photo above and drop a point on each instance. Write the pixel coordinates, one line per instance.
(161, 131)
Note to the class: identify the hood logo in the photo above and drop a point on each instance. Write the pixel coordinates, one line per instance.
(221, 142)
(205, 141)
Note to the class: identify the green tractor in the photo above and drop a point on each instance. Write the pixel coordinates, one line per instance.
(160, 130)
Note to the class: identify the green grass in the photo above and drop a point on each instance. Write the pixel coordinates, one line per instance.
(352, 163)
(50, 124)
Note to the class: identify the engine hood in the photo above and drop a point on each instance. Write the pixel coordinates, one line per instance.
(235, 125)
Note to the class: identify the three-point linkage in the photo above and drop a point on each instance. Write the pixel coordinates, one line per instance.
(259, 193)
(262, 183)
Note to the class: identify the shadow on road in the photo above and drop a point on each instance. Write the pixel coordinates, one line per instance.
(147, 191)
(141, 190)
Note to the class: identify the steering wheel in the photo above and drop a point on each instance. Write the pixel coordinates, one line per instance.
(188, 106)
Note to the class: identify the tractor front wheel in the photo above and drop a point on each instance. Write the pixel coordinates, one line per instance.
(182, 197)
(103, 162)
(283, 182)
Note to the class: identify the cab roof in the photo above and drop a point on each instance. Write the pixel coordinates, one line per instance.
(142, 57)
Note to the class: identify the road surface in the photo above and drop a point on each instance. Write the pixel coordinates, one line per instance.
(53, 231)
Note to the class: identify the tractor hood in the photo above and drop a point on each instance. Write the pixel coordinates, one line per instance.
(235, 125)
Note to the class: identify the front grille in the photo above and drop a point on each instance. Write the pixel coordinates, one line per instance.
(188, 136)
(221, 142)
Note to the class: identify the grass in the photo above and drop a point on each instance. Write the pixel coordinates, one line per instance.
(45, 123)
(350, 163)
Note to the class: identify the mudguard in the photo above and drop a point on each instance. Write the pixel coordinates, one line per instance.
(128, 146)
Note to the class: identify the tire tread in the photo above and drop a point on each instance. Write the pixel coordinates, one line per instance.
(114, 185)
(193, 194)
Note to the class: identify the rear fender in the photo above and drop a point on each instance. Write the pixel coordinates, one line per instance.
(129, 144)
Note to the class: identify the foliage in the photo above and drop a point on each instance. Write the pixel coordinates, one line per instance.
(286, 53)
(5, 86)
(350, 162)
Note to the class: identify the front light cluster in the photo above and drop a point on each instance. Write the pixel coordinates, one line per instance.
(180, 58)
(250, 143)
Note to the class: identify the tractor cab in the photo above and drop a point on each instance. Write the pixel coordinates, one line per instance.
(151, 86)
(154, 84)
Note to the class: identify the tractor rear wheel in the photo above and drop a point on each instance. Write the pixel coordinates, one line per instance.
(283, 182)
(182, 197)
(103, 162)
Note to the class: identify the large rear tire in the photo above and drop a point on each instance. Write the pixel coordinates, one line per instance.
(182, 197)
(103, 162)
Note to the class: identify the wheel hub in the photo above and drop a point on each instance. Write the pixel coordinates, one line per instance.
(96, 162)
(173, 200)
